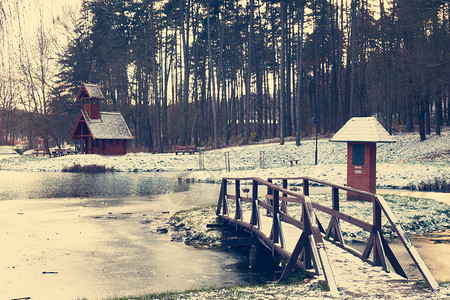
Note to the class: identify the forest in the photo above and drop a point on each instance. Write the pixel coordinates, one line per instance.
(217, 72)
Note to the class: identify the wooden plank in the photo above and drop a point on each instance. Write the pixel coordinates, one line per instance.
(392, 259)
(238, 212)
(379, 255)
(221, 196)
(288, 219)
(246, 199)
(361, 224)
(285, 199)
(265, 206)
(320, 246)
(369, 247)
(255, 218)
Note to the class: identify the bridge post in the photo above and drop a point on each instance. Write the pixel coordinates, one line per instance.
(270, 193)
(222, 205)
(334, 228)
(284, 203)
(238, 213)
(375, 243)
(306, 187)
(255, 219)
(379, 256)
(277, 233)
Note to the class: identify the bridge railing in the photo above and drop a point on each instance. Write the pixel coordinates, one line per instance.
(310, 251)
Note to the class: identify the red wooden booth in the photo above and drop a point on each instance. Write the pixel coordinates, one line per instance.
(361, 135)
(99, 132)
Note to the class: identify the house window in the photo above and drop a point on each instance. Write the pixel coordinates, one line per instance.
(358, 154)
(85, 101)
(94, 101)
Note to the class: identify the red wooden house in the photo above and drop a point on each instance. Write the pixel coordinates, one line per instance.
(99, 132)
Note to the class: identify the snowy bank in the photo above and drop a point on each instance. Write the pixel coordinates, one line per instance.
(400, 164)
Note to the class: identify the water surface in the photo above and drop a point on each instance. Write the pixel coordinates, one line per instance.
(69, 236)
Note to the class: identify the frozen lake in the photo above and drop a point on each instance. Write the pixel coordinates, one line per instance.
(66, 236)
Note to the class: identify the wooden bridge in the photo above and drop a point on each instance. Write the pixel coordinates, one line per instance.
(308, 244)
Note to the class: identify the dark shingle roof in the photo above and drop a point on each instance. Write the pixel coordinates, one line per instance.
(110, 125)
(94, 91)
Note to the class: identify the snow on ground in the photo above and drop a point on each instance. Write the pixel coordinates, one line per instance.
(399, 164)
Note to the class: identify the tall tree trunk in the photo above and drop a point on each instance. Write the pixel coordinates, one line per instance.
(155, 82)
(283, 71)
(248, 80)
(211, 80)
(438, 111)
(301, 20)
(185, 19)
(353, 59)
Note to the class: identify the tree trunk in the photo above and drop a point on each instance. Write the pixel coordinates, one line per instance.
(301, 20)
(283, 71)
(211, 80)
(353, 59)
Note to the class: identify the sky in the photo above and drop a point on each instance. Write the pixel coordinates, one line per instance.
(20, 22)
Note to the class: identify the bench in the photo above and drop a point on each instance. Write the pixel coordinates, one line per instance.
(38, 152)
(293, 160)
(185, 149)
(59, 152)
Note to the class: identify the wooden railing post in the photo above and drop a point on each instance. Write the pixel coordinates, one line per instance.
(270, 193)
(306, 187)
(335, 198)
(277, 233)
(378, 255)
(222, 205)
(238, 214)
(255, 219)
(276, 209)
(375, 243)
(225, 198)
(334, 228)
(284, 203)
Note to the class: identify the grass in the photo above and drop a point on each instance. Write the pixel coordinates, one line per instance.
(77, 168)
(435, 185)
(221, 292)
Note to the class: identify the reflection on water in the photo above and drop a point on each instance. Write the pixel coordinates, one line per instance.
(34, 185)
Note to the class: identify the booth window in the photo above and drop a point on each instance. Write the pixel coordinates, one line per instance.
(358, 154)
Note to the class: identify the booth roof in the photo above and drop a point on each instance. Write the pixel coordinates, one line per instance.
(362, 129)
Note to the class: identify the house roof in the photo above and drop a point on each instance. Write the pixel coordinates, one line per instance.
(362, 129)
(110, 125)
(94, 91)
